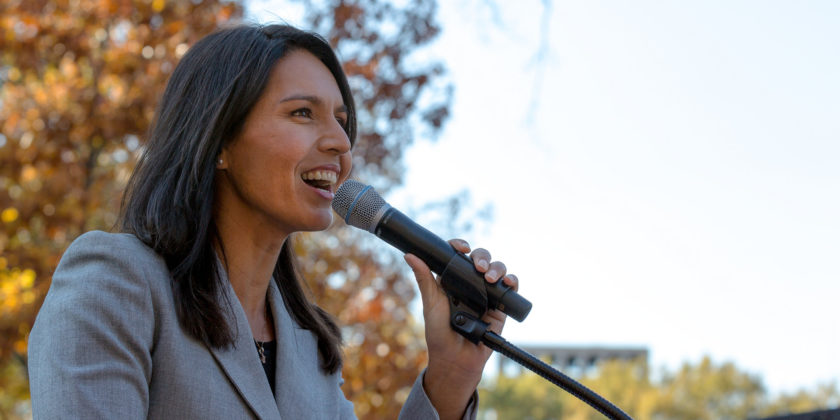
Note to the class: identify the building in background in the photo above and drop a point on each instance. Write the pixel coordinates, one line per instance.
(573, 361)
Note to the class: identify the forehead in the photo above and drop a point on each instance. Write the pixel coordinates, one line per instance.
(300, 72)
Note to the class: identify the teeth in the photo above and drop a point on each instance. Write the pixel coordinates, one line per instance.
(328, 176)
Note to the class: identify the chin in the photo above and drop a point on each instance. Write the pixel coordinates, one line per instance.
(321, 223)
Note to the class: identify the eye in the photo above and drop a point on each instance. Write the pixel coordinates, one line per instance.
(302, 112)
(341, 120)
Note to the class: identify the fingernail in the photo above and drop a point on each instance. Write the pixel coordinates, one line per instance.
(491, 275)
(482, 264)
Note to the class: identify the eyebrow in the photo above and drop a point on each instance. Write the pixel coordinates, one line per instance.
(310, 98)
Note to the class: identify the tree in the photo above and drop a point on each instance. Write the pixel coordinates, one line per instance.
(710, 391)
(80, 81)
(528, 397)
(610, 380)
(701, 390)
(824, 396)
(624, 383)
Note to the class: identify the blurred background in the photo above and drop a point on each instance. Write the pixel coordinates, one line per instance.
(662, 177)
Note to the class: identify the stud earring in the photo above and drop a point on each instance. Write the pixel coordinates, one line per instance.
(220, 162)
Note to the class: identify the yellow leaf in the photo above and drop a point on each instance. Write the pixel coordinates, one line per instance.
(9, 215)
(27, 278)
(68, 67)
(20, 346)
(157, 5)
(27, 297)
(11, 302)
(14, 74)
(28, 173)
(9, 289)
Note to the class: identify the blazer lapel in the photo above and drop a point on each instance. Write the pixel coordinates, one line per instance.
(282, 327)
(241, 363)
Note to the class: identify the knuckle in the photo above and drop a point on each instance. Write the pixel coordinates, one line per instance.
(498, 268)
(459, 244)
(481, 252)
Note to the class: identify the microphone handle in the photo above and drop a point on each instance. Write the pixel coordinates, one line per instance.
(403, 233)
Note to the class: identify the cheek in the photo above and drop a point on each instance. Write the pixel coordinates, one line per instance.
(346, 166)
(264, 168)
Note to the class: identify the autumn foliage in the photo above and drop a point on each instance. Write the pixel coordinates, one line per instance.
(80, 80)
(79, 83)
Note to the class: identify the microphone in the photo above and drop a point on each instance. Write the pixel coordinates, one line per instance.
(362, 207)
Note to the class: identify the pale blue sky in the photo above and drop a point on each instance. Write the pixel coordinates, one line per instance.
(677, 184)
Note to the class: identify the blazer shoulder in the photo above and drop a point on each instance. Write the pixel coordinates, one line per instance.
(116, 242)
(100, 319)
(122, 254)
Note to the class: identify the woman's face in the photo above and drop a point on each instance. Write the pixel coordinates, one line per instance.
(281, 171)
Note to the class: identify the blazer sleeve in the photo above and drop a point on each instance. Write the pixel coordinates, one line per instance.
(90, 346)
(418, 406)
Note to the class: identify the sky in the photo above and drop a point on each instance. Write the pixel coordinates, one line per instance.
(660, 174)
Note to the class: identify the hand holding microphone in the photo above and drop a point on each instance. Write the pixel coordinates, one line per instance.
(364, 208)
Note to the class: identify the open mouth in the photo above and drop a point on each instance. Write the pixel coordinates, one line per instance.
(324, 180)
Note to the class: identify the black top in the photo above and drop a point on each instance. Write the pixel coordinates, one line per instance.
(269, 352)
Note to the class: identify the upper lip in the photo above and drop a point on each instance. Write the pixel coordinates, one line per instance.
(328, 167)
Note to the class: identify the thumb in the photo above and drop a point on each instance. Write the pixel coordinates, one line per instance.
(425, 280)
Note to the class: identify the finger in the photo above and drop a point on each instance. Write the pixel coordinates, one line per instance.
(495, 272)
(460, 245)
(481, 258)
(512, 281)
(425, 280)
(496, 320)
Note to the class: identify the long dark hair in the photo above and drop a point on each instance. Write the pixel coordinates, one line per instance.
(168, 203)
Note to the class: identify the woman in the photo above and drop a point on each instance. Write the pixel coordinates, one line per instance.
(196, 310)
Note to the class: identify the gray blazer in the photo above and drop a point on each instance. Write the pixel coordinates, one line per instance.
(107, 344)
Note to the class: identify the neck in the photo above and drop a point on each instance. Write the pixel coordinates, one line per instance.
(249, 261)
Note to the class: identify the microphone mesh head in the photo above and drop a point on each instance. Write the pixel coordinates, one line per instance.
(359, 205)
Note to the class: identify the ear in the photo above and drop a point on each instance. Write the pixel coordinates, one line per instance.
(221, 161)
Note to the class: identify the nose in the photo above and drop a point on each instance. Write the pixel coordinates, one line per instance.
(335, 139)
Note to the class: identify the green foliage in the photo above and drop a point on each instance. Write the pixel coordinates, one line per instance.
(824, 396)
(709, 391)
(703, 390)
(528, 397)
